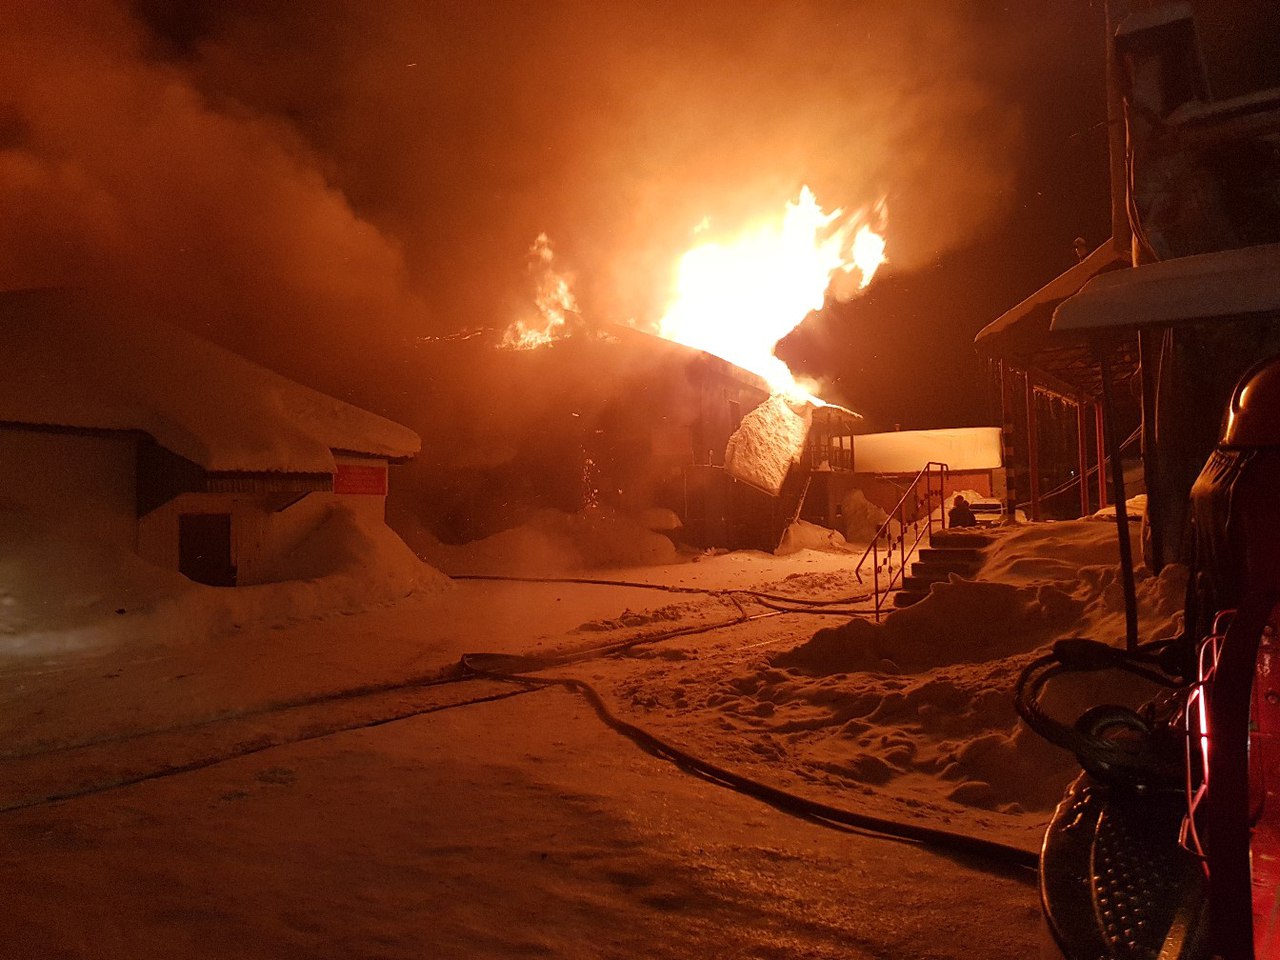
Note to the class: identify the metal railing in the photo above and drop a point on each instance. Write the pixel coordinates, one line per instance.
(889, 551)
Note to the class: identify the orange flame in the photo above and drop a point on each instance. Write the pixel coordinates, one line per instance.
(553, 297)
(737, 300)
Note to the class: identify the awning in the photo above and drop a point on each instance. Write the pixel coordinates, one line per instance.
(1023, 330)
(1068, 364)
(1230, 284)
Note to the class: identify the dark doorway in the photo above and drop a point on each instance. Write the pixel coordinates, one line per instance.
(204, 548)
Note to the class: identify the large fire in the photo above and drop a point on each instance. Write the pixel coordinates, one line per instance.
(736, 300)
(553, 297)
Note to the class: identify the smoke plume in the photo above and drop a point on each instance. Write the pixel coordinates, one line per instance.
(323, 185)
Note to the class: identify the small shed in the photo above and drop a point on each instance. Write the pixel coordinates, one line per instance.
(193, 457)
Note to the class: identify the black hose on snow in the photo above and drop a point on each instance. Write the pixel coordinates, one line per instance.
(668, 588)
(509, 668)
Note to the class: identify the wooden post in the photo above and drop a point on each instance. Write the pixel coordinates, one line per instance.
(1033, 450)
(1082, 456)
(1122, 517)
(1100, 435)
(1009, 452)
(1149, 342)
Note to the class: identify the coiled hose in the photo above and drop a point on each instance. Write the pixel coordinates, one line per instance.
(1114, 744)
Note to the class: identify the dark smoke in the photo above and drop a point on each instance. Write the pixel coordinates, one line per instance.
(319, 185)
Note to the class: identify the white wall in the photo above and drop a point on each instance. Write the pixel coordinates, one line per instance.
(86, 480)
(907, 451)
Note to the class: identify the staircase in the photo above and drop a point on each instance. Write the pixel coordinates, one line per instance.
(949, 551)
(904, 527)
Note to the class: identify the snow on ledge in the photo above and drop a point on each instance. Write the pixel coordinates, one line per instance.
(907, 451)
(768, 441)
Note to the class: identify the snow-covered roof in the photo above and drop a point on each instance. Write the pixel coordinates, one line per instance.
(907, 451)
(1106, 258)
(1227, 284)
(67, 365)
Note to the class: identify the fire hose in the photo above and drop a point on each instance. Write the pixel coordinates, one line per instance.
(766, 599)
(479, 665)
(514, 669)
(1114, 744)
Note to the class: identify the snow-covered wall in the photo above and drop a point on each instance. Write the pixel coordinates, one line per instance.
(770, 439)
(907, 451)
(83, 479)
(262, 537)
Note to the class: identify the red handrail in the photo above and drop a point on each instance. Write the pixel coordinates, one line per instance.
(922, 526)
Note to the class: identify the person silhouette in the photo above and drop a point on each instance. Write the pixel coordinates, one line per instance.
(960, 515)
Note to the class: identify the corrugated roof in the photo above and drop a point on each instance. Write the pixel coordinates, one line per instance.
(67, 364)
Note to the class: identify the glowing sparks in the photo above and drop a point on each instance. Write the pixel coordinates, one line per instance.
(553, 297)
(737, 300)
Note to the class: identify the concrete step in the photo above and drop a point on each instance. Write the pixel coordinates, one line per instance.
(940, 569)
(960, 538)
(950, 555)
(905, 598)
(922, 583)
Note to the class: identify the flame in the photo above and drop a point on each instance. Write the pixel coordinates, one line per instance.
(553, 297)
(737, 300)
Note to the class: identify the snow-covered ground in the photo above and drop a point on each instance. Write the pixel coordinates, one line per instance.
(301, 822)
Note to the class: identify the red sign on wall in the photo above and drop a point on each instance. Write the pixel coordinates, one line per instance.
(360, 478)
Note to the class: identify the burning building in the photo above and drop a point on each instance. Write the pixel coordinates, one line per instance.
(694, 413)
(623, 422)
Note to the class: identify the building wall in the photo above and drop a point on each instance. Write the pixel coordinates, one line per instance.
(265, 527)
(85, 479)
(827, 490)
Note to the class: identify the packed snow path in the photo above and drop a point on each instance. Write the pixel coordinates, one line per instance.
(220, 790)
(515, 828)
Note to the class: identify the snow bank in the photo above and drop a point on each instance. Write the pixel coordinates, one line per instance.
(922, 703)
(803, 535)
(551, 542)
(1135, 506)
(61, 591)
(348, 552)
(862, 518)
(768, 441)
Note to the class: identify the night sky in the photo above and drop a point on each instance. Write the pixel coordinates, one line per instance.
(319, 185)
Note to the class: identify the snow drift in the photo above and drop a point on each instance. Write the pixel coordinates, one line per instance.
(921, 704)
(63, 591)
(551, 542)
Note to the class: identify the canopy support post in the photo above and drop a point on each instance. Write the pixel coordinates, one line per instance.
(1122, 514)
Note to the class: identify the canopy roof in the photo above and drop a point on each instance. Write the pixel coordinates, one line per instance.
(1230, 284)
(1066, 362)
